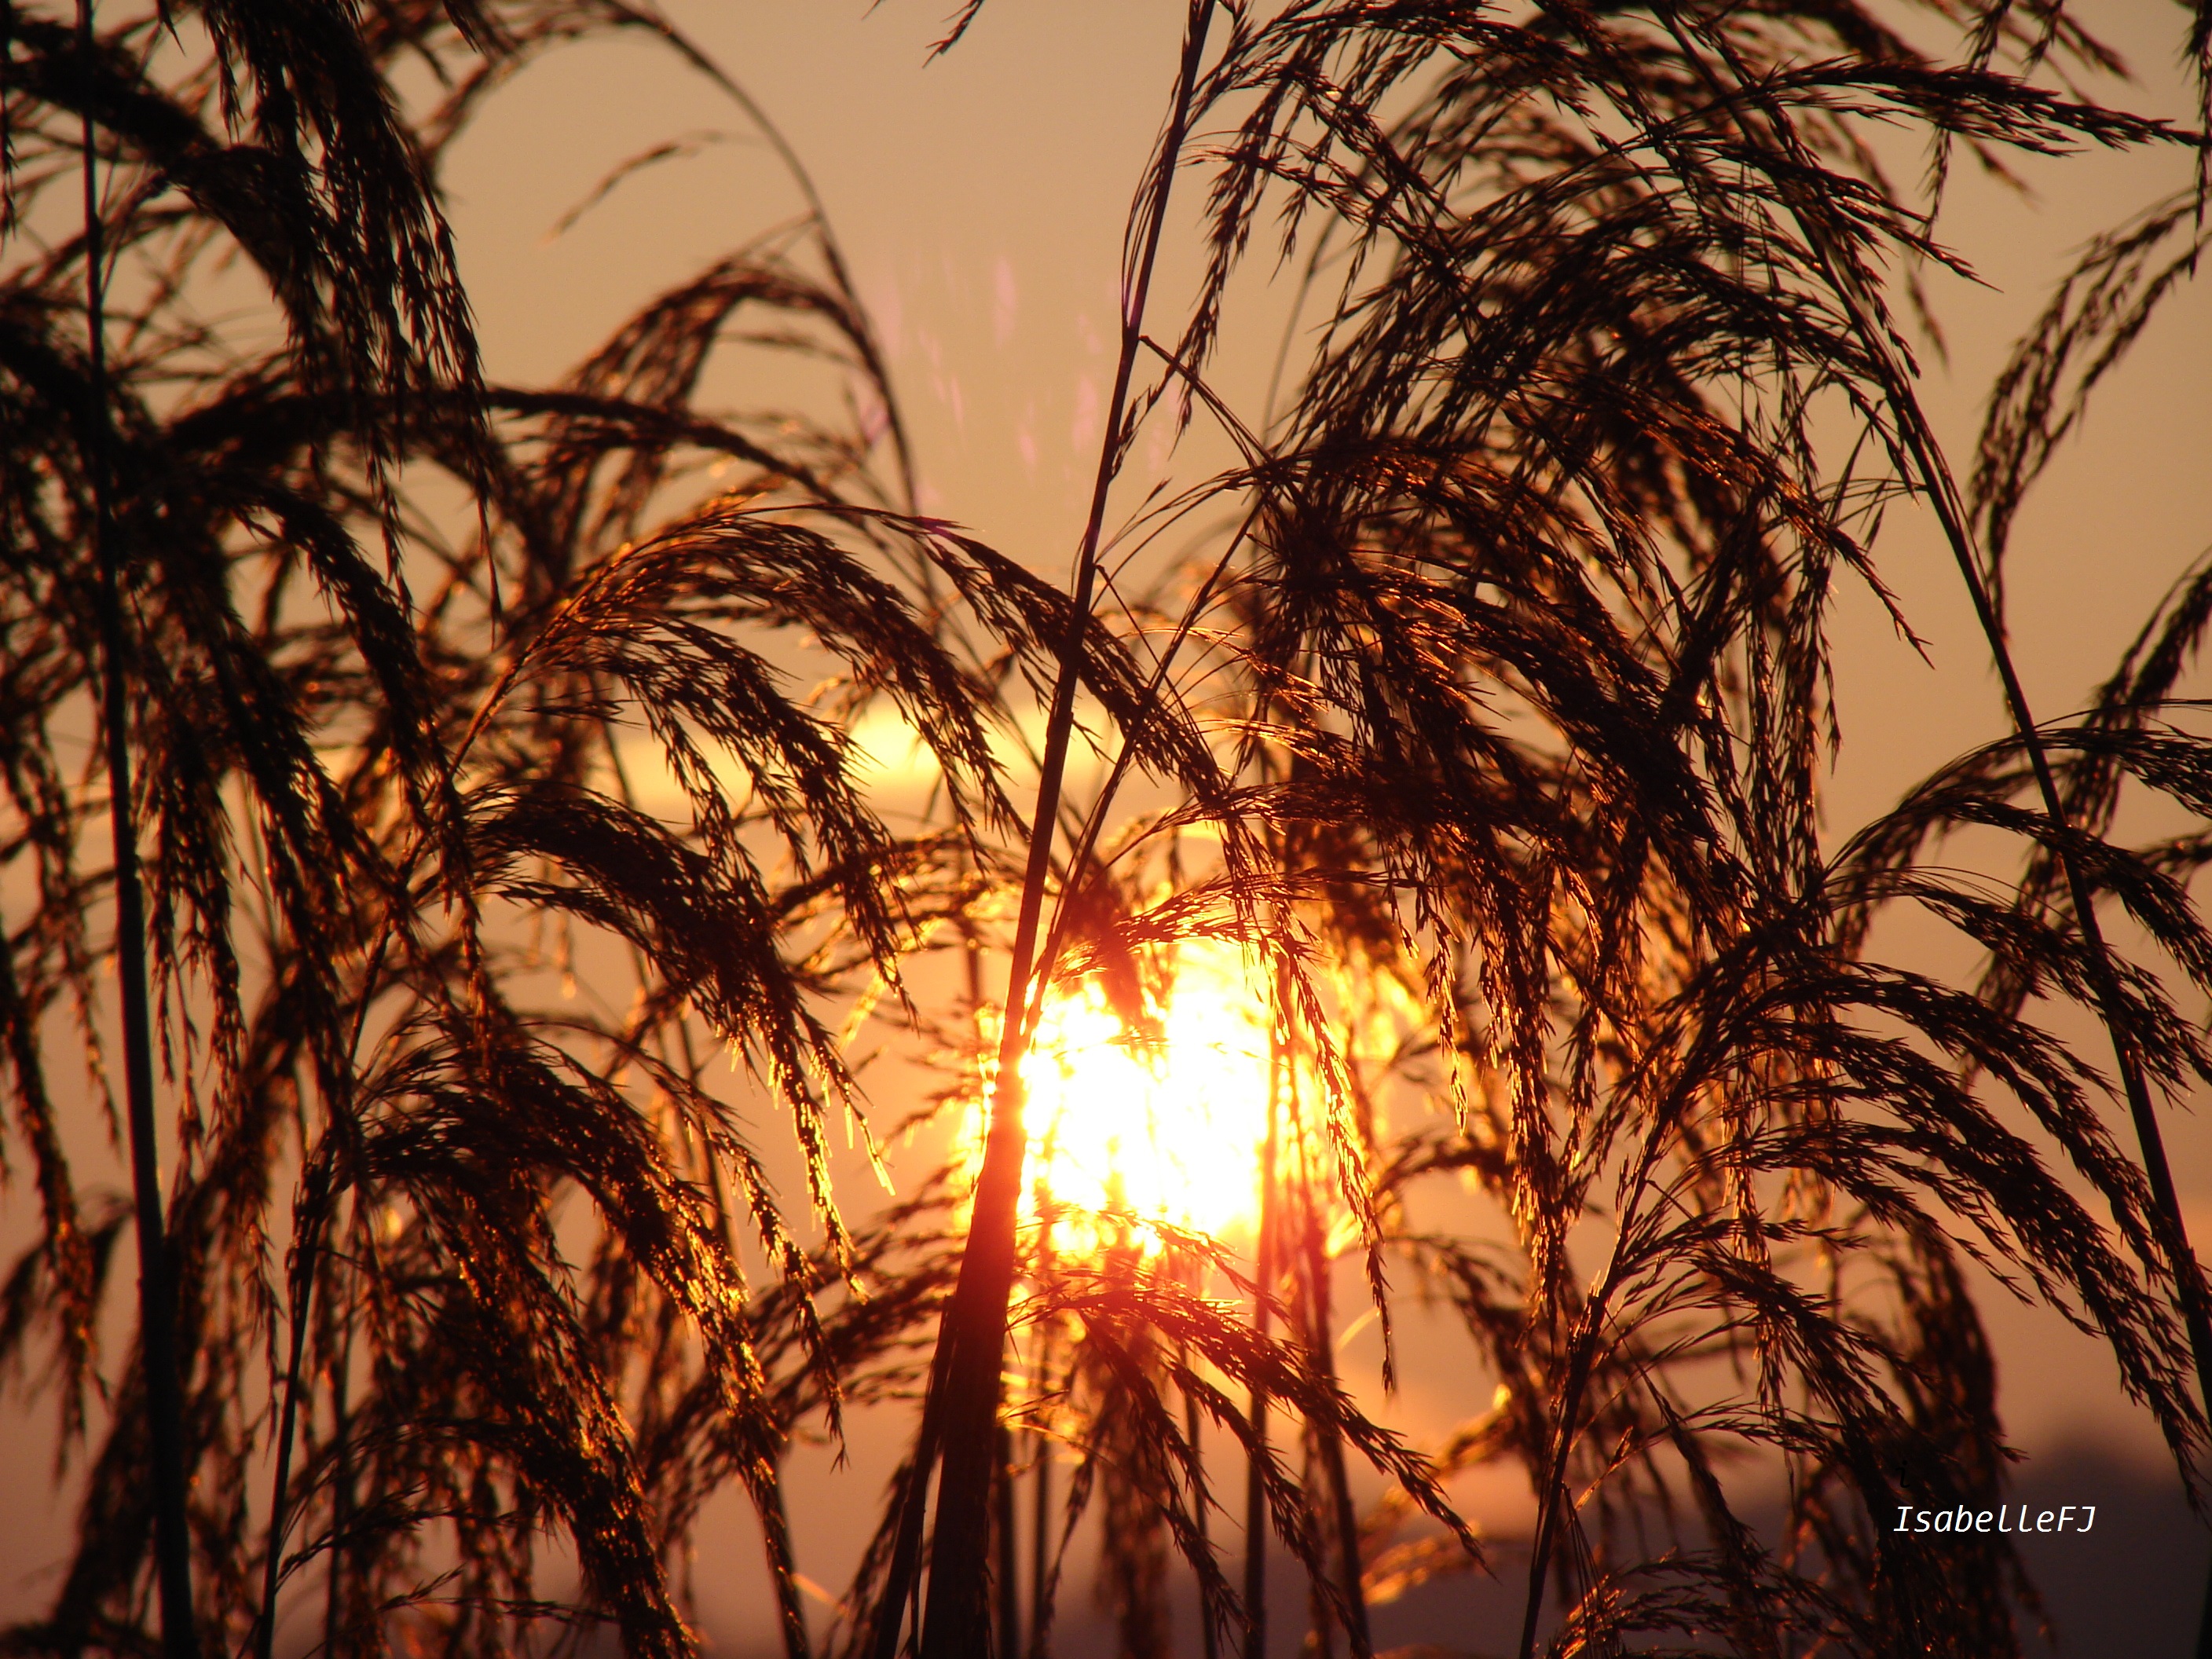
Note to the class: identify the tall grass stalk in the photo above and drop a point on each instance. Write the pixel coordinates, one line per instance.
(161, 1374)
(1481, 704)
(967, 1400)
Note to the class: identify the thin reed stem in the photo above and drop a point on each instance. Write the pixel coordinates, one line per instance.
(975, 1324)
(1264, 1275)
(1552, 1499)
(157, 1307)
(1343, 1521)
(900, 1582)
(312, 1210)
(1320, 1624)
(1006, 1577)
(1040, 1574)
(334, 1585)
(1208, 1611)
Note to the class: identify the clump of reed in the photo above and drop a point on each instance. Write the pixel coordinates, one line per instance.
(1497, 706)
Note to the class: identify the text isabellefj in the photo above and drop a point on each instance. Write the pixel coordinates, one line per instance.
(1963, 1519)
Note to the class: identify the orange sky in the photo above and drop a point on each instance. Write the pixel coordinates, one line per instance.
(980, 201)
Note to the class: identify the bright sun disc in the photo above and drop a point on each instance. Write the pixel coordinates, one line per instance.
(1168, 1126)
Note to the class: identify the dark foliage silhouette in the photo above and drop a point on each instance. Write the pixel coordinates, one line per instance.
(500, 883)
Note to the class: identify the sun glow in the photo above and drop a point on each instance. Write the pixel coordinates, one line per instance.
(1166, 1125)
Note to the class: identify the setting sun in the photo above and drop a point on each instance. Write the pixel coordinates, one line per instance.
(1167, 1126)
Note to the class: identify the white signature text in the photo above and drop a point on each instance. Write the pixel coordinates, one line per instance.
(2001, 1519)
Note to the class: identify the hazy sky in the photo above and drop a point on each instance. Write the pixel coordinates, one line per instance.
(981, 200)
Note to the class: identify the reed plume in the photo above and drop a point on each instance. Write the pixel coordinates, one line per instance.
(1480, 710)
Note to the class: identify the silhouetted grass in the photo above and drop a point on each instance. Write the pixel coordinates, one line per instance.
(1486, 717)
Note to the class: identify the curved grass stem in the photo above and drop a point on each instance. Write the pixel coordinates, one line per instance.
(958, 1621)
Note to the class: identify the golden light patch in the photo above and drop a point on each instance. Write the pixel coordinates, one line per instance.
(1159, 1125)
